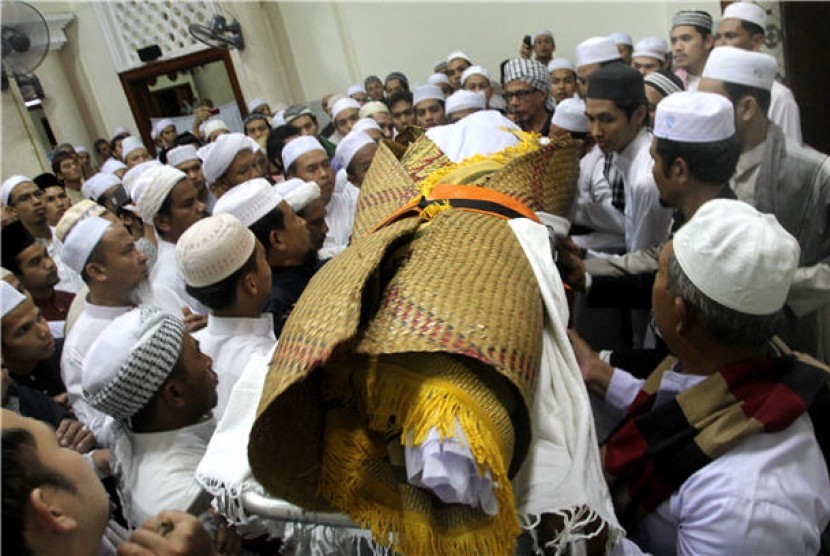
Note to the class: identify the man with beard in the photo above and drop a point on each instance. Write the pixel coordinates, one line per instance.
(292, 258)
(526, 91)
(457, 62)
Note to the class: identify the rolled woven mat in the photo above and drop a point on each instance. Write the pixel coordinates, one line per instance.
(431, 320)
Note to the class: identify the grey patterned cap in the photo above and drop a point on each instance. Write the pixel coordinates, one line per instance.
(129, 361)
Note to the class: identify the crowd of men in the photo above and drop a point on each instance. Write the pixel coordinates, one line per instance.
(135, 290)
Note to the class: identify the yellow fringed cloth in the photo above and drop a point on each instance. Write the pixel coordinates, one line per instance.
(431, 319)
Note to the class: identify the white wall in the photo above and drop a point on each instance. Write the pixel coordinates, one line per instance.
(335, 44)
(299, 51)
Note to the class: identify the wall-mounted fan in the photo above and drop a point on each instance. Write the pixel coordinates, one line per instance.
(25, 37)
(219, 34)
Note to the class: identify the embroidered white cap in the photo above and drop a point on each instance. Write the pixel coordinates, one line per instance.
(738, 257)
(212, 249)
(651, 47)
(249, 201)
(130, 144)
(744, 67)
(693, 117)
(344, 104)
(622, 38)
(10, 298)
(475, 70)
(561, 63)
(98, 184)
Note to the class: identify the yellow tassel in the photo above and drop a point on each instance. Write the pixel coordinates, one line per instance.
(416, 403)
(431, 210)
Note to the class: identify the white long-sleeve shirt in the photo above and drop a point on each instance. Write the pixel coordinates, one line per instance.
(646, 220)
(593, 208)
(92, 321)
(231, 342)
(159, 470)
(770, 494)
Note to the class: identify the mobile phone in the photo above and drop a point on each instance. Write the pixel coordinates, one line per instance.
(528, 42)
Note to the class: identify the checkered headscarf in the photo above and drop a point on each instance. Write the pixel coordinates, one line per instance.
(531, 72)
(129, 361)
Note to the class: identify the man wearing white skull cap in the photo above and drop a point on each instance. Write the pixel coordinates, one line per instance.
(745, 472)
(457, 62)
(477, 79)
(695, 150)
(428, 104)
(462, 103)
(225, 267)
(778, 175)
(186, 158)
(744, 25)
(285, 237)
(170, 203)
(354, 156)
(304, 198)
(229, 162)
(649, 55)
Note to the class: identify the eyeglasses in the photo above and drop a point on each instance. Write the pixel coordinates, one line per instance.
(520, 95)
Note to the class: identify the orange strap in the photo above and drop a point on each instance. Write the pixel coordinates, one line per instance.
(464, 197)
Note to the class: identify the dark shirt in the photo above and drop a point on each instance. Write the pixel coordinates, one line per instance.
(287, 284)
(29, 402)
(46, 377)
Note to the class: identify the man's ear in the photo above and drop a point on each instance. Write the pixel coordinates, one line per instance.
(45, 510)
(172, 393)
(709, 42)
(275, 240)
(679, 170)
(640, 113)
(96, 272)
(746, 108)
(685, 316)
(162, 222)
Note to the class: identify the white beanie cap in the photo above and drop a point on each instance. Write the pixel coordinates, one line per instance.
(212, 249)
